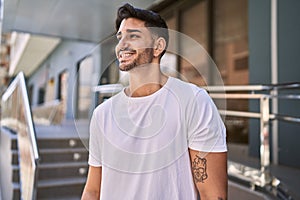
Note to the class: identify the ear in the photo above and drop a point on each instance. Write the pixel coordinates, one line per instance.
(159, 46)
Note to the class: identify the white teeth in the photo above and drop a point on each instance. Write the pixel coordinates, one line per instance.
(125, 55)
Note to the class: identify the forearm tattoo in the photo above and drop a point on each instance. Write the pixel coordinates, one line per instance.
(199, 166)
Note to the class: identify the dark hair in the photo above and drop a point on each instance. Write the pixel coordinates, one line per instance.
(152, 20)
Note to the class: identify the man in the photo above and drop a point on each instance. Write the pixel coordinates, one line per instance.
(160, 138)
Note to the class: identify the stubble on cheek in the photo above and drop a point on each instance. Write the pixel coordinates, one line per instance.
(144, 57)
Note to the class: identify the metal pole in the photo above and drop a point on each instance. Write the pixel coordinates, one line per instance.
(274, 77)
(264, 140)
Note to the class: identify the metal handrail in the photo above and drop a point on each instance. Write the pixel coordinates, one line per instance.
(16, 115)
(253, 88)
(264, 93)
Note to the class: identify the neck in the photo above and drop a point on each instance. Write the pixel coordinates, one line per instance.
(145, 80)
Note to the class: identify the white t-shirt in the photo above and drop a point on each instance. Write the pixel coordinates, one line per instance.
(142, 142)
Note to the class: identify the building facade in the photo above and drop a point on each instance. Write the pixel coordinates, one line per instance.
(235, 34)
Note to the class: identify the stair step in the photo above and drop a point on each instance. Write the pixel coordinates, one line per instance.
(15, 174)
(60, 182)
(60, 150)
(63, 188)
(74, 197)
(15, 156)
(62, 170)
(16, 191)
(60, 143)
(56, 170)
(14, 141)
(62, 165)
(66, 155)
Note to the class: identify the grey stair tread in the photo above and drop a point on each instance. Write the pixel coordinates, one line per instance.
(62, 165)
(15, 167)
(57, 165)
(71, 129)
(61, 182)
(62, 137)
(14, 151)
(62, 198)
(16, 186)
(62, 150)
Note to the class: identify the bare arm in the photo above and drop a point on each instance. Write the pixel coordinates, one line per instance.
(93, 184)
(210, 174)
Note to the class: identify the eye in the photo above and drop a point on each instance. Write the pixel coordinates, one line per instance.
(134, 36)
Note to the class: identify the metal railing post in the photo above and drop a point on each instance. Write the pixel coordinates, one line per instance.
(264, 140)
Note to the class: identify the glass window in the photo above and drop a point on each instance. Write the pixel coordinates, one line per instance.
(85, 73)
(231, 40)
(230, 52)
(193, 24)
(62, 89)
(50, 90)
(221, 28)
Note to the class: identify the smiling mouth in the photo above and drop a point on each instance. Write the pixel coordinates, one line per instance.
(123, 56)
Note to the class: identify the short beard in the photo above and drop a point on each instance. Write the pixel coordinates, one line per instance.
(143, 58)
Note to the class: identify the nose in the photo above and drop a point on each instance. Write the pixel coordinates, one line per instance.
(122, 44)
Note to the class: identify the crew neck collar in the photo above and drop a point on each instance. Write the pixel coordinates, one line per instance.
(148, 96)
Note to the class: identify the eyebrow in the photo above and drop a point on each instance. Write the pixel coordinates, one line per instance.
(130, 31)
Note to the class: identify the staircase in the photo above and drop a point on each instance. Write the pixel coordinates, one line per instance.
(62, 168)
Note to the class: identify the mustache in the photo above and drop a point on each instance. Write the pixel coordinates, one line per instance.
(127, 49)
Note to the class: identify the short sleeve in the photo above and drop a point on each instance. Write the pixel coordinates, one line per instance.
(206, 130)
(95, 142)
